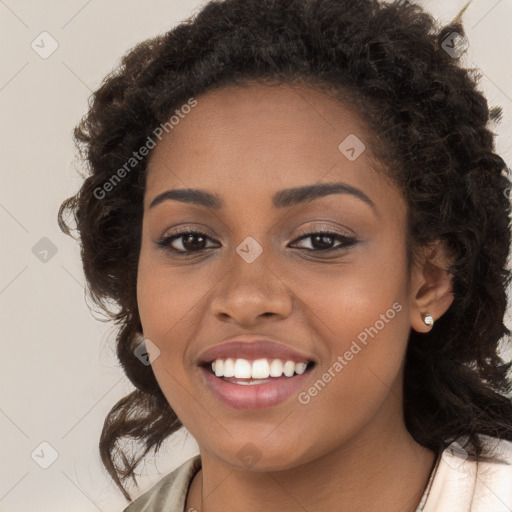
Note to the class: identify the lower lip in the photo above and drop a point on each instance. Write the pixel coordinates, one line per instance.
(255, 396)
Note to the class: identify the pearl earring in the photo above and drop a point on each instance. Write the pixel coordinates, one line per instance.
(427, 318)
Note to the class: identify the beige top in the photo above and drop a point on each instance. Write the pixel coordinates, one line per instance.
(456, 484)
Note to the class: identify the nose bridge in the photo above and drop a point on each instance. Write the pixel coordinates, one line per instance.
(252, 286)
(251, 265)
(251, 261)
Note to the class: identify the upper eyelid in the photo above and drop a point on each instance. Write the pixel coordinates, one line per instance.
(304, 232)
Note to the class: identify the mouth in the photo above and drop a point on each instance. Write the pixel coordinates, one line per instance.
(255, 383)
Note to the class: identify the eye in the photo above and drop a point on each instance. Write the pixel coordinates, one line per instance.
(322, 240)
(184, 242)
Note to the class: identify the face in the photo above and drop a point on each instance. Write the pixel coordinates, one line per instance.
(323, 274)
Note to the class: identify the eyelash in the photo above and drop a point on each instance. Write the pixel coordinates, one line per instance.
(165, 243)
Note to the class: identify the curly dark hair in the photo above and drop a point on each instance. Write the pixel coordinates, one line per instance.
(429, 125)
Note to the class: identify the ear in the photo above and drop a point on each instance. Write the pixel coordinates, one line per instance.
(431, 285)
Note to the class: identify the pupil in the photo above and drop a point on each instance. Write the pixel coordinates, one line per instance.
(325, 241)
(192, 246)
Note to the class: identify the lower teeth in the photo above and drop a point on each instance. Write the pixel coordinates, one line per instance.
(252, 382)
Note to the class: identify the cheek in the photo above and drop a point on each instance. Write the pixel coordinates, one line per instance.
(347, 299)
(169, 297)
(166, 306)
(360, 312)
(172, 304)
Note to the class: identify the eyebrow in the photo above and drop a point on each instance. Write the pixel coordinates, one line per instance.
(282, 199)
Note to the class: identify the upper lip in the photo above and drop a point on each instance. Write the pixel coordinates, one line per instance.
(252, 348)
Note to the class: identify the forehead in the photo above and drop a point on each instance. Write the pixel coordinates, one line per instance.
(258, 139)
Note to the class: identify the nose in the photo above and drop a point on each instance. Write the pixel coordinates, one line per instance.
(251, 292)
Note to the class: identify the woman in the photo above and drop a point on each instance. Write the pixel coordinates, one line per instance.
(297, 207)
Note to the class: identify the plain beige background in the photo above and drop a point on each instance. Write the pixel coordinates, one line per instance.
(59, 372)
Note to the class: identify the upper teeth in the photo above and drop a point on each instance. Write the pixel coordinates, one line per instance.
(258, 369)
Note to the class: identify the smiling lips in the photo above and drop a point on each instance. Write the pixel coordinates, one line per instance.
(253, 374)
